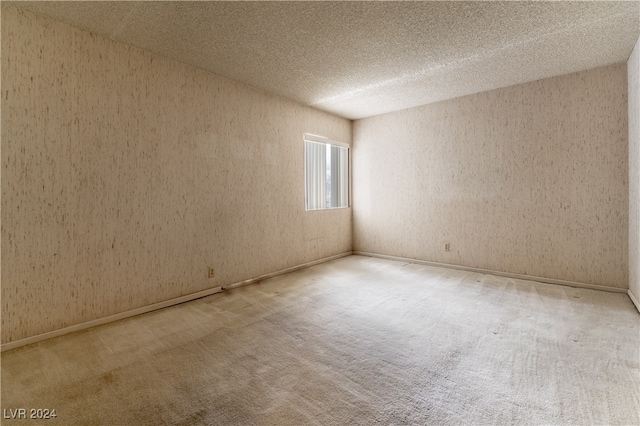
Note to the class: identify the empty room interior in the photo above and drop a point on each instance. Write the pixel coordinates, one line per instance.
(294, 213)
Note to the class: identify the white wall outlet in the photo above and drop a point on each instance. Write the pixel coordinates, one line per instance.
(447, 246)
(211, 272)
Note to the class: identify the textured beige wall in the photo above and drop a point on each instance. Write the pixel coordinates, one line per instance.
(125, 174)
(633, 67)
(529, 179)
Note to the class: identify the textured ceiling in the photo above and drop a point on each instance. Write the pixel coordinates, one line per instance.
(358, 59)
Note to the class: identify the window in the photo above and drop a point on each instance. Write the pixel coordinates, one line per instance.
(326, 173)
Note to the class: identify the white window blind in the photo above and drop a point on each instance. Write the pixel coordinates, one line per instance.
(326, 173)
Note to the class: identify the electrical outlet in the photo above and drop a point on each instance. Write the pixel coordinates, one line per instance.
(447, 246)
(211, 272)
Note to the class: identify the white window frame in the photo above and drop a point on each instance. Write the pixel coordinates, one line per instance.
(326, 141)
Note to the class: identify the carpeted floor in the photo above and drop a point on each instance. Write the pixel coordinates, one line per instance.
(353, 341)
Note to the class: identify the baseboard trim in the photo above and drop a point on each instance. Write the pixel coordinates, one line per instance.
(285, 271)
(498, 273)
(634, 300)
(160, 305)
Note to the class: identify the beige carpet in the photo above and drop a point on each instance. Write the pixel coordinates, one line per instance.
(354, 341)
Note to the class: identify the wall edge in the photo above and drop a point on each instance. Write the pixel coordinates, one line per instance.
(498, 273)
(160, 305)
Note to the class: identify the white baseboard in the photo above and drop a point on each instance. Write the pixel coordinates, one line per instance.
(156, 306)
(634, 300)
(498, 273)
(214, 290)
(285, 271)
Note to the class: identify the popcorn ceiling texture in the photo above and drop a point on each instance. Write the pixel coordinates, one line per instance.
(634, 171)
(529, 179)
(358, 59)
(126, 174)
